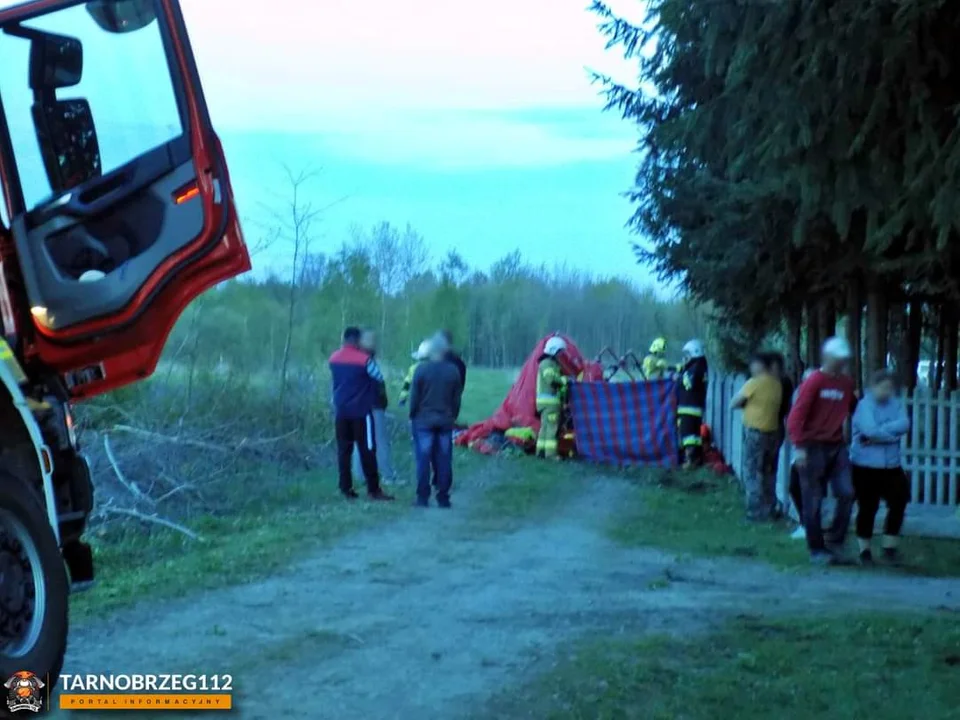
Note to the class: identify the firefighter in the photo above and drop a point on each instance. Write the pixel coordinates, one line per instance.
(551, 386)
(421, 355)
(691, 403)
(655, 364)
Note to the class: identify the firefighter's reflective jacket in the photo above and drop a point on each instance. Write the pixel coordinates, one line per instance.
(654, 367)
(407, 382)
(692, 388)
(550, 384)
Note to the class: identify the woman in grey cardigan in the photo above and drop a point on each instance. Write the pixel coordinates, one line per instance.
(879, 424)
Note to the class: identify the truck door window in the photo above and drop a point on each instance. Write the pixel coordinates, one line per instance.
(125, 80)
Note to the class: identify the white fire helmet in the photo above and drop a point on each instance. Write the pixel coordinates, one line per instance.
(554, 346)
(693, 349)
(423, 352)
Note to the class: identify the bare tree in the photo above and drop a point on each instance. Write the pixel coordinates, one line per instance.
(295, 228)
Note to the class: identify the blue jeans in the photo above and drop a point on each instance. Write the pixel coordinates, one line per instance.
(828, 465)
(433, 450)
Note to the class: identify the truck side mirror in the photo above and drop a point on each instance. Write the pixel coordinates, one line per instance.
(68, 142)
(122, 16)
(65, 130)
(56, 61)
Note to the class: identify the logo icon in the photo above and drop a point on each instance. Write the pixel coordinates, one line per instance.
(23, 692)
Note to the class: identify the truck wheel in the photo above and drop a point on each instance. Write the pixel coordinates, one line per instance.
(33, 586)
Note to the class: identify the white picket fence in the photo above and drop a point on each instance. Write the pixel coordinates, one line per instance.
(931, 451)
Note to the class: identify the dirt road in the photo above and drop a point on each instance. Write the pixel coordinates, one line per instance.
(425, 619)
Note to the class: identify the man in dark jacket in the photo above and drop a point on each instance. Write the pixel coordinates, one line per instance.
(446, 338)
(435, 396)
(356, 382)
(692, 403)
(368, 342)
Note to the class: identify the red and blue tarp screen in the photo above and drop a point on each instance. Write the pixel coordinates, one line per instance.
(628, 423)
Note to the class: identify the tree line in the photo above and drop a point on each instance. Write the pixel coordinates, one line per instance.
(800, 170)
(384, 277)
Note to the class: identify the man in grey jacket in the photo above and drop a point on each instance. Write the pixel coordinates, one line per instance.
(879, 424)
(435, 395)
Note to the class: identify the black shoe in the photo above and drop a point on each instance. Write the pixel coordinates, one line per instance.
(418, 503)
(349, 494)
(379, 495)
(866, 558)
(891, 555)
(445, 504)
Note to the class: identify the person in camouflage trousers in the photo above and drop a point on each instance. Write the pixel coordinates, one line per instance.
(760, 399)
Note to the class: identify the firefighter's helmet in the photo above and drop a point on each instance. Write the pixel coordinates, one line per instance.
(423, 352)
(693, 349)
(659, 345)
(554, 346)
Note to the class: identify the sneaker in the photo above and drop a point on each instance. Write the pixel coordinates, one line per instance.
(349, 494)
(799, 534)
(379, 495)
(866, 558)
(823, 557)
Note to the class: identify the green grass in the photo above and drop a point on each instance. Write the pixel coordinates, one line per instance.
(302, 515)
(852, 666)
(703, 514)
(485, 391)
(287, 520)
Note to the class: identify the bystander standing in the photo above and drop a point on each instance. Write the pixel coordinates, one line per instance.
(435, 395)
(816, 428)
(760, 399)
(879, 424)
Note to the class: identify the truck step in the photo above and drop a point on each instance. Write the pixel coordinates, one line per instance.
(79, 587)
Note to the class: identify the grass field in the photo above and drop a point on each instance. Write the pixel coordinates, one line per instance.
(703, 514)
(846, 667)
(291, 518)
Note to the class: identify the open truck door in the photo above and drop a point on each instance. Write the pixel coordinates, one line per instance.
(116, 190)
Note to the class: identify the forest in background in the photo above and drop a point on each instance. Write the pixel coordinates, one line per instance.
(385, 277)
(239, 406)
(799, 165)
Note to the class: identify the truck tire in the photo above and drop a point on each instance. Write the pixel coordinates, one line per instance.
(34, 593)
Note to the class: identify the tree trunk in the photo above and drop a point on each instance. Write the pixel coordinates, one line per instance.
(876, 328)
(898, 339)
(950, 348)
(828, 319)
(914, 340)
(941, 348)
(855, 330)
(814, 338)
(794, 328)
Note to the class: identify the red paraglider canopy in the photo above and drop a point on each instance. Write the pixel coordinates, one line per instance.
(519, 408)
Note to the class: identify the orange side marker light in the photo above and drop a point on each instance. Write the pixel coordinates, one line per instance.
(185, 194)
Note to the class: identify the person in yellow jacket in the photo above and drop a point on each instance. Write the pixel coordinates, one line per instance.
(421, 355)
(551, 386)
(655, 365)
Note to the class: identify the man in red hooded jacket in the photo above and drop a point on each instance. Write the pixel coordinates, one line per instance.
(816, 424)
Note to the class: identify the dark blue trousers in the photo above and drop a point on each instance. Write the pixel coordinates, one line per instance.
(433, 449)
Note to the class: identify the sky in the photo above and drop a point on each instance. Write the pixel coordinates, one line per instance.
(476, 123)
